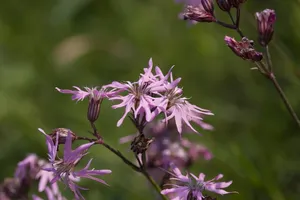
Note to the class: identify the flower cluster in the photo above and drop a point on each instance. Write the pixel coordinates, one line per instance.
(153, 94)
(29, 170)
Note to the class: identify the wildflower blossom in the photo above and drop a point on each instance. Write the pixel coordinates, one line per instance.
(142, 98)
(31, 168)
(236, 3)
(202, 12)
(243, 49)
(153, 94)
(64, 168)
(265, 21)
(80, 95)
(224, 5)
(50, 195)
(190, 186)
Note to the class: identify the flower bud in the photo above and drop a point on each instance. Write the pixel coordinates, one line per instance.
(224, 5)
(236, 3)
(94, 109)
(140, 144)
(62, 134)
(243, 49)
(265, 21)
(204, 12)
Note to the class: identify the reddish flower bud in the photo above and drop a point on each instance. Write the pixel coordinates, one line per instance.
(204, 12)
(243, 49)
(62, 134)
(224, 5)
(94, 109)
(236, 3)
(265, 21)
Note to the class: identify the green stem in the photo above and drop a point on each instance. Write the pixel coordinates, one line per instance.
(153, 183)
(269, 61)
(120, 155)
(273, 79)
(284, 99)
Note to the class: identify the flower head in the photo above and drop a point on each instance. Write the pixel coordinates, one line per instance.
(265, 21)
(79, 95)
(224, 5)
(64, 168)
(192, 186)
(243, 49)
(31, 168)
(153, 94)
(28, 166)
(202, 12)
(142, 98)
(236, 3)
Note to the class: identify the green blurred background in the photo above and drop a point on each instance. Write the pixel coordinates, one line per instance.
(48, 43)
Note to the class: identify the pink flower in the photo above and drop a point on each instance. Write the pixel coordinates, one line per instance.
(190, 186)
(79, 95)
(143, 98)
(243, 49)
(265, 22)
(64, 168)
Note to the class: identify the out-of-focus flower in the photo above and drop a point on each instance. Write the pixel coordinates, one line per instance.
(202, 12)
(50, 195)
(190, 186)
(64, 168)
(265, 21)
(224, 5)
(243, 49)
(236, 3)
(168, 147)
(31, 169)
(28, 166)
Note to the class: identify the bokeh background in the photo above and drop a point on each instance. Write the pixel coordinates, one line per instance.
(49, 43)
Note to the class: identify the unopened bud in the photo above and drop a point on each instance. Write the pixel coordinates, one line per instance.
(236, 3)
(94, 109)
(243, 49)
(265, 22)
(62, 134)
(224, 5)
(140, 144)
(204, 12)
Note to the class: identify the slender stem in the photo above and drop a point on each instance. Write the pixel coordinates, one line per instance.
(153, 183)
(284, 99)
(269, 61)
(116, 152)
(95, 132)
(139, 161)
(144, 159)
(230, 26)
(238, 17)
(120, 155)
(231, 17)
(272, 77)
(140, 169)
